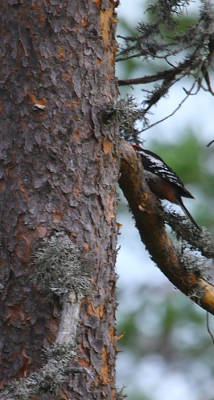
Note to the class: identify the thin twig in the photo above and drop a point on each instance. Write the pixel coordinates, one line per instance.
(208, 326)
(170, 115)
(212, 141)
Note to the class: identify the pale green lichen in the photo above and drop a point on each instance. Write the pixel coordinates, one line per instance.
(59, 267)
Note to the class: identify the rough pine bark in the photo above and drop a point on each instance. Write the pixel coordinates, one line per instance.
(59, 167)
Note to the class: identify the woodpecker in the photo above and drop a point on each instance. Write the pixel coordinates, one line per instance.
(163, 181)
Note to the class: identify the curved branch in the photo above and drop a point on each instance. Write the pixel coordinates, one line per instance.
(146, 209)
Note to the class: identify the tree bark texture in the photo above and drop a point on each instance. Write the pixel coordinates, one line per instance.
(59, 166)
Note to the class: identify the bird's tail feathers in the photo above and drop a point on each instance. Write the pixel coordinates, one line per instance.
(188, 214)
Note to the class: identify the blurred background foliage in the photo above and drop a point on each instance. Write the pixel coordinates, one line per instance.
(166, 350)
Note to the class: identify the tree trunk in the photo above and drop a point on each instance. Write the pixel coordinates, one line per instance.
(59, 166)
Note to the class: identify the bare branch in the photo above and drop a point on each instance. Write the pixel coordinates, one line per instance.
(156, 40)
(172, 113)
(209, 144)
